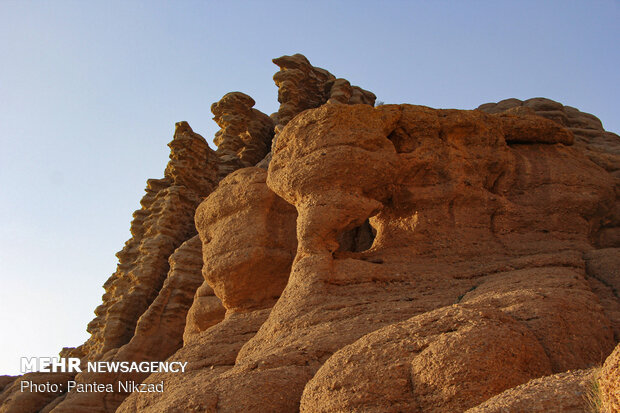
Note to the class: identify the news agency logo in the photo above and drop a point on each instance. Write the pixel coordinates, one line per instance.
(72, 365)
(49, 365)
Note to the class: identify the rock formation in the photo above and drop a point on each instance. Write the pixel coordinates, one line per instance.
(164, 222)
(206, 311)
(480, 220)
(302, 86)
(245, 137)
(248, 269)
(158, 333)
(391, 258)
(564, 392)
(600, 146)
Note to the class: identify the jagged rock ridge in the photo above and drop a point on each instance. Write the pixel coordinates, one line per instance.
(398, 258)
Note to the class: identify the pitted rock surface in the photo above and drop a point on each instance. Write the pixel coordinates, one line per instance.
(245, 135)
(390, 258)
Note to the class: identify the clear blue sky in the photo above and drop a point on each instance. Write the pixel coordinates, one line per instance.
(90, 92)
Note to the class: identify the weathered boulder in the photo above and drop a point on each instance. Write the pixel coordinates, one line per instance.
(248, 236)
(469, 352)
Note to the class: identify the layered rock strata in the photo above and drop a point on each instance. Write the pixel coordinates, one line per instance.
(302, 86)
(158, 333)
(600, 146)
(245, 135)
(164, 222)
(248, 268)
(142, 316)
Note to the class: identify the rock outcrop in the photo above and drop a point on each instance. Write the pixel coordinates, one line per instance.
(164, 222)
(245, 135)
(206, 311)
(391, 258)
(158, 333)
(491, 212)
(423, 354)
(14, 400)
(248, 269)
(600, 146)
(302, 86)
(142, 316)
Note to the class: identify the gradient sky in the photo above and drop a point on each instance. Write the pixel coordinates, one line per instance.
(90, 92)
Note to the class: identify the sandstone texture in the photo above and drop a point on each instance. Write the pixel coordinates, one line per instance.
(564, 392)
(248, 268)
(600, 146)
(245, 135)
(479, 221)
(609, 383)
(302, 86)
(206, 311)
(471, 353)
(341, 257)
(13, 400)
(158, 334)
(5, 381)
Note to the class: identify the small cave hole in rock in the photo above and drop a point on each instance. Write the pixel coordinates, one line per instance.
(358, 239)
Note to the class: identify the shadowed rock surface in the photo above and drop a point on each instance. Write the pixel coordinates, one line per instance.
(391, 258)
(302, 86)
(600, 146)
(245, 137)
(162, 225)
(159, 332)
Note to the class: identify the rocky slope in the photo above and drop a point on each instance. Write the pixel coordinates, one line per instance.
(360, 258)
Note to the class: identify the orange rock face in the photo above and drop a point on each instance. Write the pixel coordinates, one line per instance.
(158, 333)
(600, 146)
(248, 268)
(391, 258)
(480, 223)
(471, 353)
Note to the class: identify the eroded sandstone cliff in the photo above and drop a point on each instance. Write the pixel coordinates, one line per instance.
(392, 258)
